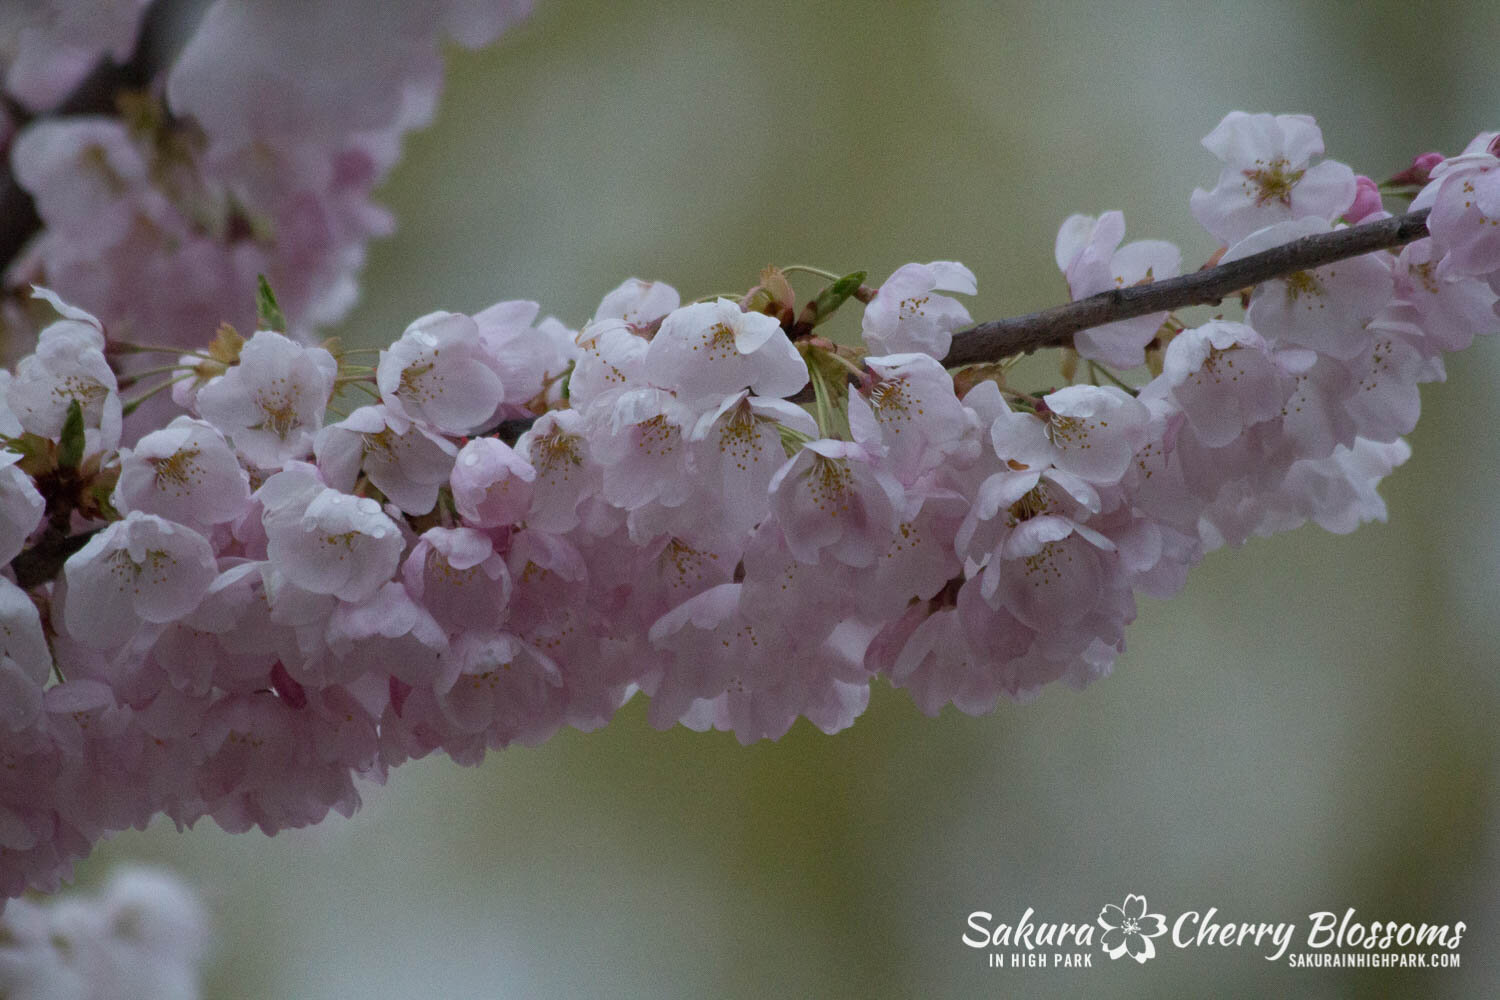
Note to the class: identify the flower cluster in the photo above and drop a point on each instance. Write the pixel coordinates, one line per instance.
(142, 937)
(47, 47)
(255, 152)
(709, 503)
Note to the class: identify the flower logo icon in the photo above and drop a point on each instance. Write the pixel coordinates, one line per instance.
(1128, 928)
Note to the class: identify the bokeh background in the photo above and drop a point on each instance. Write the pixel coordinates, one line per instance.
(1309, 726)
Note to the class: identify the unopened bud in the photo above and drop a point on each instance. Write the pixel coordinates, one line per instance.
(1366, 200)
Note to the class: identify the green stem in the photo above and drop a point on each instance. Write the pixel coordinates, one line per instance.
(134, 404)
(812, 270)
(854, 369)
(130, 378)
(125, 347)
(1112, 377)
(824, 414)
(359, 383)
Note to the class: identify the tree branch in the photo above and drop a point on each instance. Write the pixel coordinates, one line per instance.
(1055, 327)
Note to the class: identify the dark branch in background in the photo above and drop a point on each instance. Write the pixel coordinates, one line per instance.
(1055, 327)
(164, 29)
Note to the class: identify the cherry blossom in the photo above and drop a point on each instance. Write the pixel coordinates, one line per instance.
(704, 352)
(142, 937)
(1326, 308)
(832, 495)
(21, 507)
(141, 569)
(1465, 200)
(1268, 176)
(1089, 254)
(908, 415)
(907, 315)
(404, 460)
(185, 472)
(49, 47)
(25, 660)
(437, 373)
(326, 541)
(68, 366)
(491, 483)
(271, 404)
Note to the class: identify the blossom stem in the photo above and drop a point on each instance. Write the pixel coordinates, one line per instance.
(358, 382)
(126, 347)
(855, 370)
(1099, 369)
(805, 269)
(134, 404)
(1055, 327)
(126, 381)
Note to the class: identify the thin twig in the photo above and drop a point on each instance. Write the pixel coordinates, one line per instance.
(1055, 327)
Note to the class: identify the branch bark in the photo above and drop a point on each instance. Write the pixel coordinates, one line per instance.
(1055, 327)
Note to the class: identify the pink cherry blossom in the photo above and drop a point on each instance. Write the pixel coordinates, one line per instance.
(1225, 378)
(21, 507)
(832, 496)
(566, 473)
(492, 483)
(185, 472)
(402, 459)
(909, 415)
(639, 304)
(706, 351)
(1268, 176)
(142, 569)
(737, 450)
(25, 660)
(51, 46)
(527, 358)
(1325, 308)
(271, 404)
(642, 447)
(326, 541)
(611, 356)
(143, 937)
(1437, 307)
(457, 574)
(436, 374)
(908, 316)
(1089, 254)
(68, 366)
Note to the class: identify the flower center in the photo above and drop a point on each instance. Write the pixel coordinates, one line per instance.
(1273, 181)
(179, 473)
(1303, 283)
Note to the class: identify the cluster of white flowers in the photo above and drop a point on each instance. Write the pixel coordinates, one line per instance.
(529, 525)
(142, 937)
(255, 152)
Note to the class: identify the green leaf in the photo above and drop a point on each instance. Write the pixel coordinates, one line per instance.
(267, 313)
(70, 447)
(835, 295)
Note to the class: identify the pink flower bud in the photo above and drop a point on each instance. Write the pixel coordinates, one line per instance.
(1366, 200)
(1420, 170)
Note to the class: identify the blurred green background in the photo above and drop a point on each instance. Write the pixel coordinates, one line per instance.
(1309, 726)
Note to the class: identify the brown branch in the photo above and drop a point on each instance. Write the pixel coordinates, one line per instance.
(1055, 327)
